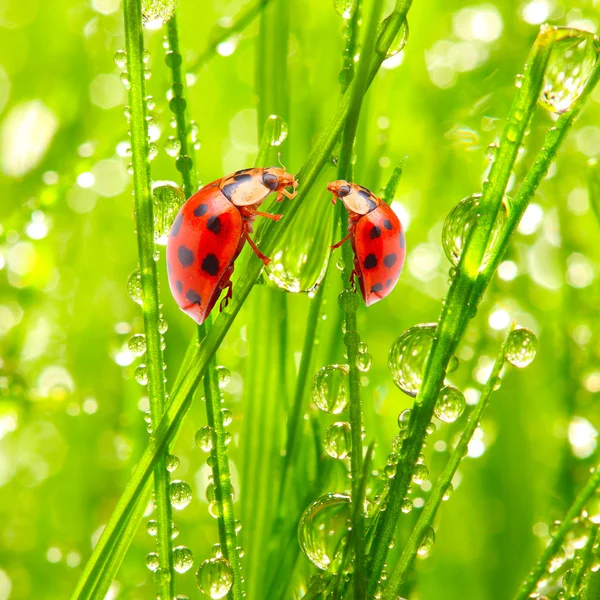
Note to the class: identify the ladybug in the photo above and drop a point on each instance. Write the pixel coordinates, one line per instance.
(210, 231)
(377, 240)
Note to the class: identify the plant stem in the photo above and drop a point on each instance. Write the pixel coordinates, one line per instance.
(583, 561)
(244, 19)
(144, 217)
(436, 495)
(349, 303)
(530, 583)
(392, 185)
(249, 268)
(457, 310)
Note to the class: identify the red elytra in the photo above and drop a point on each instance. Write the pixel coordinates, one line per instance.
(210, 231)
(377, 240)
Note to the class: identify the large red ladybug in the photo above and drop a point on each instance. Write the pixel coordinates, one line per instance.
(210, 231)
(377, 240)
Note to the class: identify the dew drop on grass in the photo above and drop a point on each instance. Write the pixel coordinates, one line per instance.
(570, 65)
(163, 326)
(167, 198)
(521, 348)
(152, 561)
(363, 361)
(134, 287)
(337, 440)
(557, 561)
(426, 544)
(448, 492)
(226, 416)
(137, 344)
(180, 493)
(407, 505)
(330, 389)
(152, 528)
(215, 577)
(120, 59)
(407, 357)
(450, 404)
(461, 220)
(420, 473)
(323, 529)
(345, 8)
(399, 41)
(276, 130)
(172, 146)
(141, 374)
(183, 559)
(224, 376)
(155, 13)
(171, 462)
(204, 439)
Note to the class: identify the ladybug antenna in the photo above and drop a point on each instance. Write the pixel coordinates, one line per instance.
(279, 160)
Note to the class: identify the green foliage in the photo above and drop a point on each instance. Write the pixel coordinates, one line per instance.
(209, 92)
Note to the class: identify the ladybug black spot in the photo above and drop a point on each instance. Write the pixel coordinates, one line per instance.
(370, 261)
(240, 172)
(390, 260)
(179, 286)
(193, 297)
(214, 224)
(368, 197)
(185, 255)
(402, 240)
(200, 210)
(378, 287)
(210, 264)
(388, 283)
(375, 232)
(176, 224)
(243, 176)
(388, 225)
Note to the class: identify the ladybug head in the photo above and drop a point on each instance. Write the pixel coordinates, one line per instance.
(356, 199)
(277, 179)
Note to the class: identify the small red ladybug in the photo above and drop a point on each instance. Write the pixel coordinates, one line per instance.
(377, 240)
(210, 230)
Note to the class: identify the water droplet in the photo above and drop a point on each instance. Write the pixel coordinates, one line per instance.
(168, 198)
(519, 80)
(180, 493)
(407, 357)
(152, 561)
(150, 103)
(163, 326)
(345, 8)
(323, 529)
(426, 543)
(172, 146)
(152, 527)
(171, 462)
(125, 80)
(459, 222)
(521, 348)
(450, 404)
(152, 151)
(226, 416)
(330, 389)
(337, 440)
(448, 492)
(400, 39)
(137, 344)
(224, 376)
(557, 561)
(363, 361)
(204, 439)
(299, 260)
(183, 559)
(155, 13)
(276, 130)
(572, 60)
(389, 471)
(120, 58)
(215, 577)
(141, 374)
(134, 287)
(420, 473)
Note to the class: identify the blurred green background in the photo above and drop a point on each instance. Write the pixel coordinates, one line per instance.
(71, 413)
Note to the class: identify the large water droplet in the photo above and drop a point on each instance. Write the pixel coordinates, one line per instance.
(426, 543)
(299, 260)
(572, 60)
(120, 58)
(141, 374)
(215, 577)
(152, 561)
(276, 130)
(330, 389)
(134, 287)
(183, 559)
(168, 198)
(172, 146)
(152, 527)
(323, 529)
(521, 348)
(408, 355)
(171, 462)
(459, 223)
(345, 8)
(399, 41)
(155, 13)
(180, 493)
(204, 439)
(450, 404)
(137, 344)
(337, 440)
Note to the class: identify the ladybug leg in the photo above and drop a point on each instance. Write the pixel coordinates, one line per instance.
(341, 242)
(269, 216)
(290, 195)
(254, 247)
(353, 277)
(229, 286)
